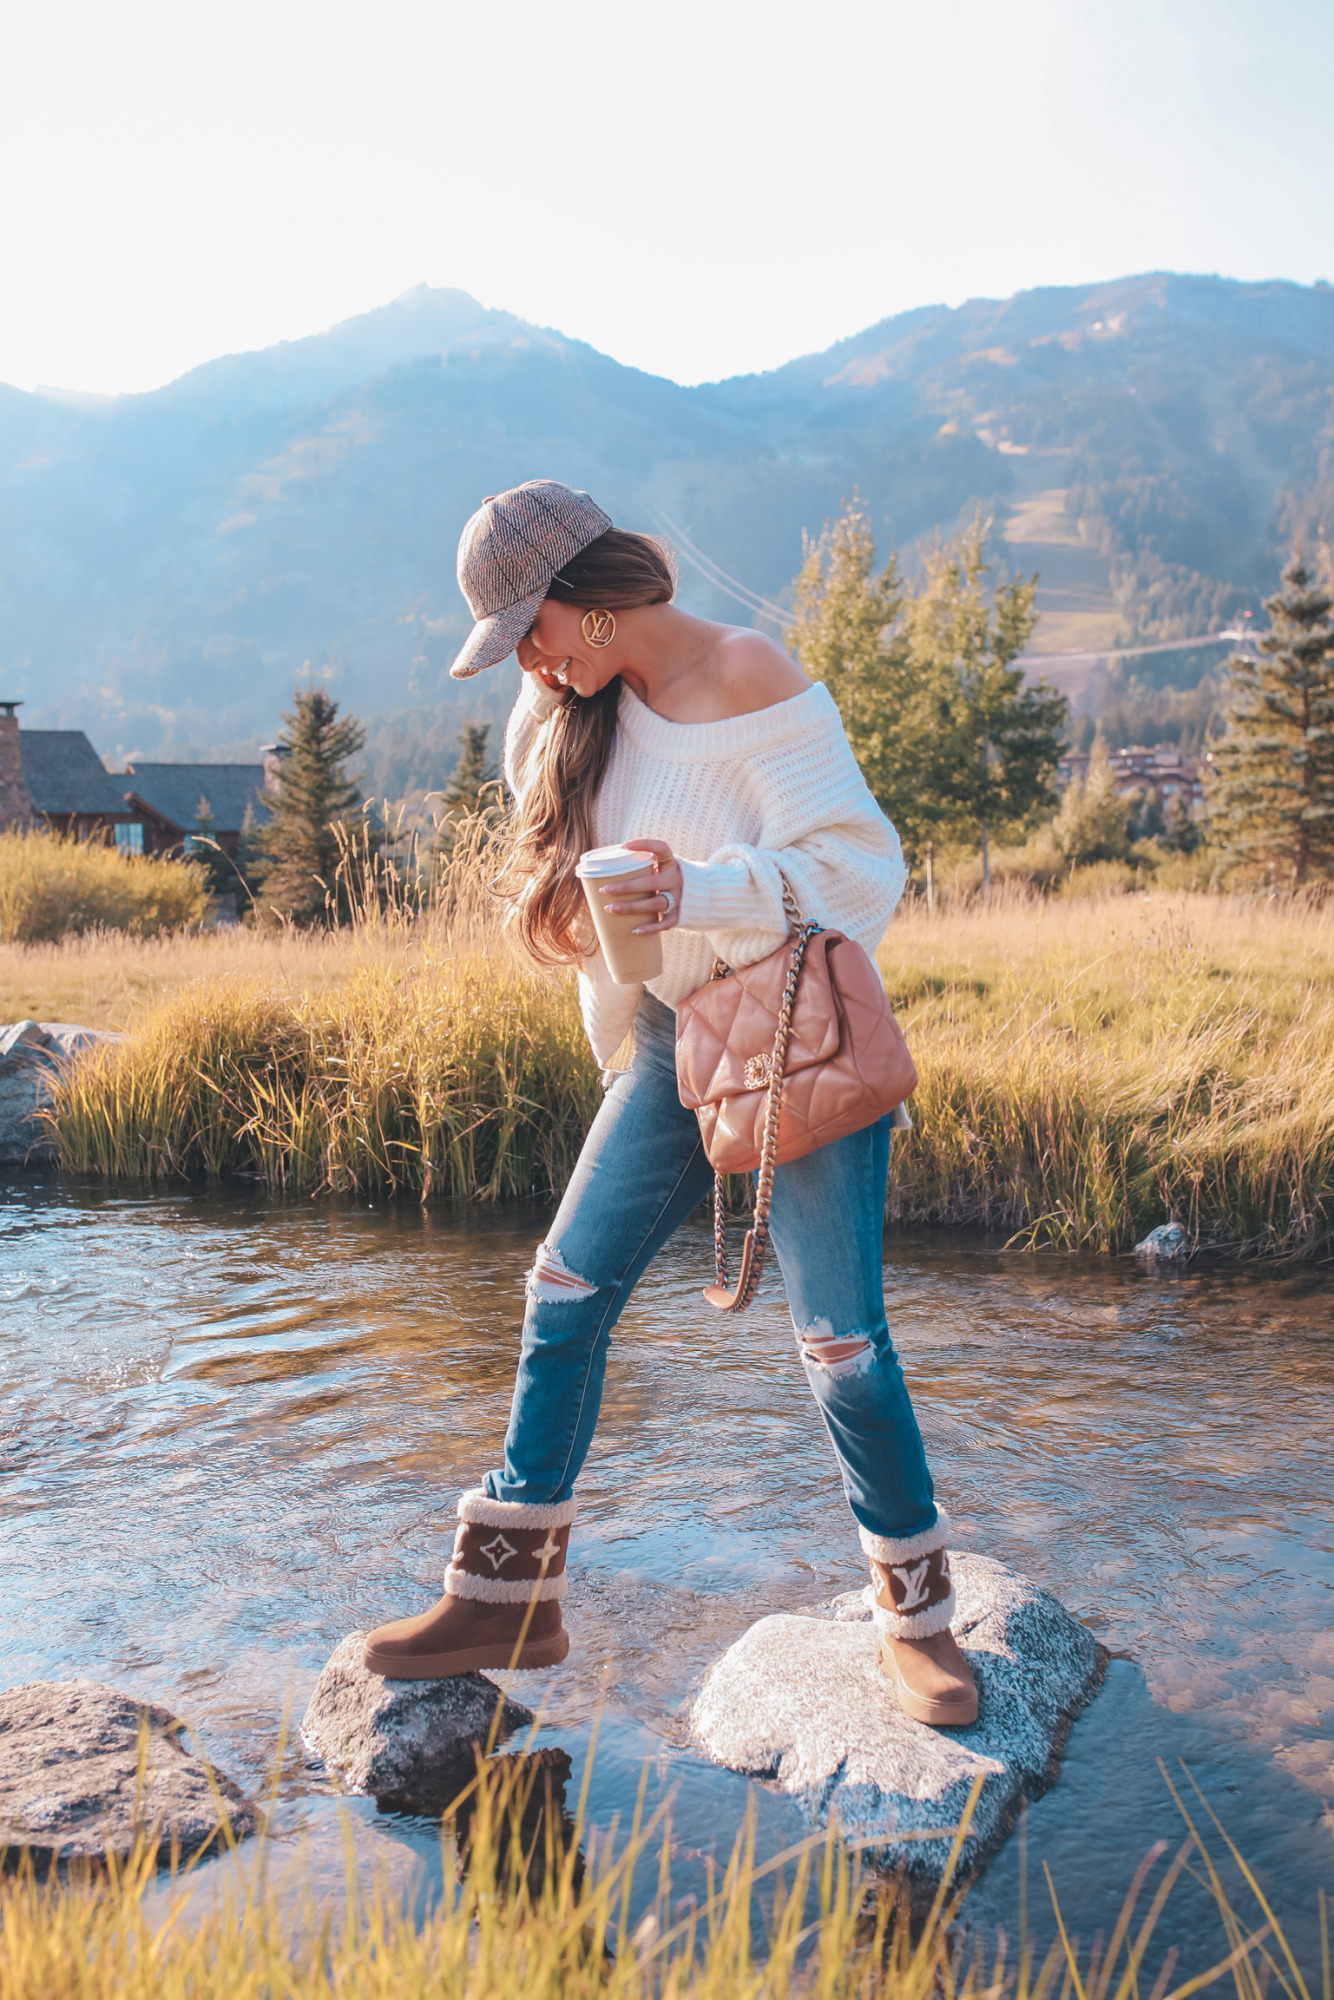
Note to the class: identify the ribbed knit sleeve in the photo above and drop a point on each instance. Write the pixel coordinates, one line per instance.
(824, 832)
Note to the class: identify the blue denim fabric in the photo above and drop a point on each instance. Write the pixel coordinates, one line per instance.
(641, 1172)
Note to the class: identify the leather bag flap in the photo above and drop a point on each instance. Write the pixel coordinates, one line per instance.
(733, 1022)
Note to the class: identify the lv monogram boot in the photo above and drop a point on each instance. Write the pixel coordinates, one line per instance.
(504, 1583)
(912, 1600)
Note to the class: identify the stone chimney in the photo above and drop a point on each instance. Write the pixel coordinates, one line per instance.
(15, 798)
(275, 755)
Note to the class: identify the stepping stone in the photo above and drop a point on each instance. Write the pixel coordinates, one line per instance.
(70, 1779)
(409, 1743)
(802, 1702)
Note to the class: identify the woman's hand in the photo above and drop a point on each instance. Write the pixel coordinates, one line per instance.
(654, 895)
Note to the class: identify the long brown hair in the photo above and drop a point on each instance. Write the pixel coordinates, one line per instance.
(554, 825)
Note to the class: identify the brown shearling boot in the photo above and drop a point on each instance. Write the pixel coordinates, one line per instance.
(913, 1602)
(503, 1586)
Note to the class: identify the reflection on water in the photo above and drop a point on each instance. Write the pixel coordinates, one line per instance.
(232, 1430)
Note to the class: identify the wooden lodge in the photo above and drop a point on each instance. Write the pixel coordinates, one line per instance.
(55, 778)
(171, 800)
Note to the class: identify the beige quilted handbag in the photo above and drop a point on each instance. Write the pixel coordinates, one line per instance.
(780, 1058)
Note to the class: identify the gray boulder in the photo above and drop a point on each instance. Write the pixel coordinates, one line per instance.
(70, 1779)
(1167, 1244)
(802, 1701)
(31, 1054)
(407, 1742)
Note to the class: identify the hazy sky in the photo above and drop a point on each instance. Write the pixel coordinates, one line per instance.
(698, 187)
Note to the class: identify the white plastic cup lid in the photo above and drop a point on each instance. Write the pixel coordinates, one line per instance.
(611, 861)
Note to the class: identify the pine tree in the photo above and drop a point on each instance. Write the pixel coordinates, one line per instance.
(473, 791)
(207, 855)
(1271, 796)
(1180, 829)
(317, 797)
(252, 856)
(463, 795)
(993, 742)
(1093, 823)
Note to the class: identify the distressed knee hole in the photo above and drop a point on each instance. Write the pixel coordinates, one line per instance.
(833, 1353)
(552, 1282)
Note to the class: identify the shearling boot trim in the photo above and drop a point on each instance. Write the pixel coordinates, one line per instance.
(912, 1599)
(887, 1549)
(917, 1624)
(500, 1589)
(479, 1507)
(516, 1564)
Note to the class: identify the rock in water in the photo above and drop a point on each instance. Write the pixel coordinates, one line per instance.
(803, 1701)
(30, 1054)
(407, 1742)
(70, 1782)
(1167, 1244)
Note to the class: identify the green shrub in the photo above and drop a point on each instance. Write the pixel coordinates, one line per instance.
(1101, 878)
(53, 886)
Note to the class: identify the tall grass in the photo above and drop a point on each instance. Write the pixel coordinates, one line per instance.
(440, 1064)
(528, 1912)
(53, 886)
(1089, 1068)
(465, 1075)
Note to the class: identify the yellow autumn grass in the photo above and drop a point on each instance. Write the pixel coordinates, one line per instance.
(53, 886)
(536, 1906)
(461, 1074)
(1089, 1068)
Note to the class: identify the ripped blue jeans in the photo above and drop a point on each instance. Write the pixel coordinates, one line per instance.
(641, 1172)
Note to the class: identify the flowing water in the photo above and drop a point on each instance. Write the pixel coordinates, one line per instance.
(231, 1430)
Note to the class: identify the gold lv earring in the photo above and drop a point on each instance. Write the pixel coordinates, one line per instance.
(599, 627)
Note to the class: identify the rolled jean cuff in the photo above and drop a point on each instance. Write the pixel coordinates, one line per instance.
(559, 1505)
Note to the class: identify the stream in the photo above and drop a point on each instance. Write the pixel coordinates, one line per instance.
(233, 1428)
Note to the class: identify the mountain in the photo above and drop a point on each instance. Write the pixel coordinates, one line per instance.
(170, 562)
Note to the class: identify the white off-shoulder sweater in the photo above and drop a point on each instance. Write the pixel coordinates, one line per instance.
(737, 801)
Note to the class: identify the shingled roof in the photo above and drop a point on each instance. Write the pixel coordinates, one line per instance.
(65, 774)
(174, 791)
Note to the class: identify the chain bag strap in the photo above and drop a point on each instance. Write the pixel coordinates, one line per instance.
(756, 1244)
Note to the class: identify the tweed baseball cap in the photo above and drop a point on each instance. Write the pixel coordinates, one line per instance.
(508, 554)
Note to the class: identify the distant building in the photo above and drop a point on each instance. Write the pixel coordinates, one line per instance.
(55, 778)
(15, 798)
(165, 799)
(1159, 773)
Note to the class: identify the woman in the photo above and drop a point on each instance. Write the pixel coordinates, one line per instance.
(706, 748)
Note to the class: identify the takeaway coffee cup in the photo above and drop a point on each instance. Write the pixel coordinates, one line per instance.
(630, 959)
